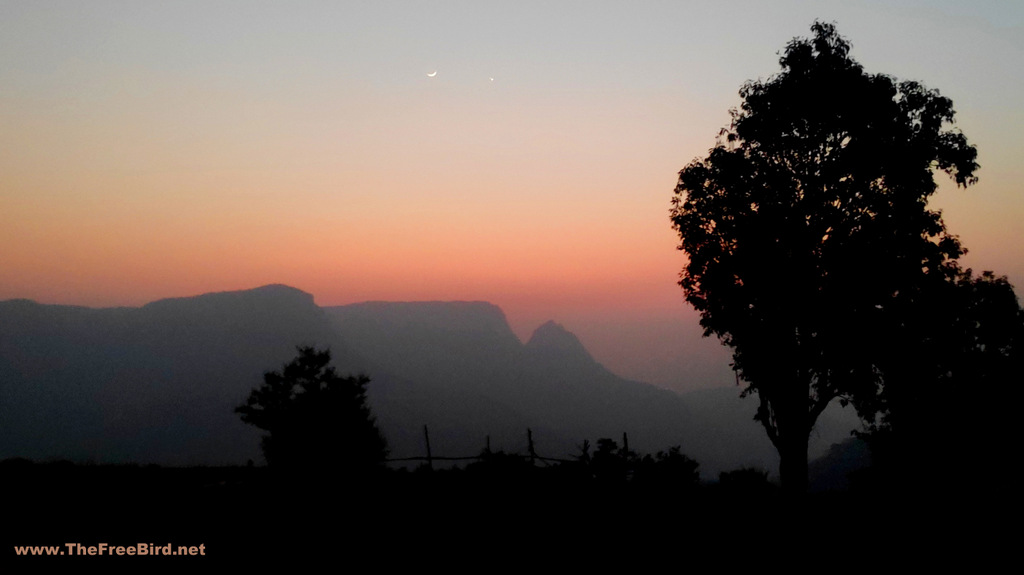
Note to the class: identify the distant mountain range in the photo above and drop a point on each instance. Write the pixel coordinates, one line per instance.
(159, 383)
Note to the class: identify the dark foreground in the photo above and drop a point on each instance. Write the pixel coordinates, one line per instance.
(462, 521)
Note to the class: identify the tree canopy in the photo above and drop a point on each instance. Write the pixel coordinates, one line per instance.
(315, 418)
(807, 230)
(939, 426)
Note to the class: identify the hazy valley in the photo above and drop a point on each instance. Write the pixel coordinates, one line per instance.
(158, 383)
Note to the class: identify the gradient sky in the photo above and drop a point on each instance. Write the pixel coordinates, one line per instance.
(159, 149)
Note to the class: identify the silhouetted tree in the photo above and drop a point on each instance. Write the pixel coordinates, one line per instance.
(808, 231)
(942, 364)
(611, 463)
(314, 418)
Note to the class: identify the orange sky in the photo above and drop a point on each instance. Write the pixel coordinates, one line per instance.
(154, 150)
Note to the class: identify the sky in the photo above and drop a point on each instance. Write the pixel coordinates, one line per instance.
(167, 149)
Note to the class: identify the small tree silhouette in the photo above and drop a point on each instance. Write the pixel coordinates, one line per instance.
(314, 418)
(611, 463)
(966, 340)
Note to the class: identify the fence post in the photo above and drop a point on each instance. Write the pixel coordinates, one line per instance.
(430, 458)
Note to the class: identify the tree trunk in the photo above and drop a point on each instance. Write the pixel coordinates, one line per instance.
(793, 464)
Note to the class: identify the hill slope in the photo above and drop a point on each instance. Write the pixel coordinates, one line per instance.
(159, 383)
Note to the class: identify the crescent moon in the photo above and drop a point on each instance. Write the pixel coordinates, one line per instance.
(431, 75)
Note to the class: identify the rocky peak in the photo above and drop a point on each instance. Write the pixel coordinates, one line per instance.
(553, 338)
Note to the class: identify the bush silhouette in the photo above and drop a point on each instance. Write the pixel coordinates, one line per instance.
(668, 469)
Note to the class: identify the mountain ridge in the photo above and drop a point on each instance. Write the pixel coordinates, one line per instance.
(158, 383)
